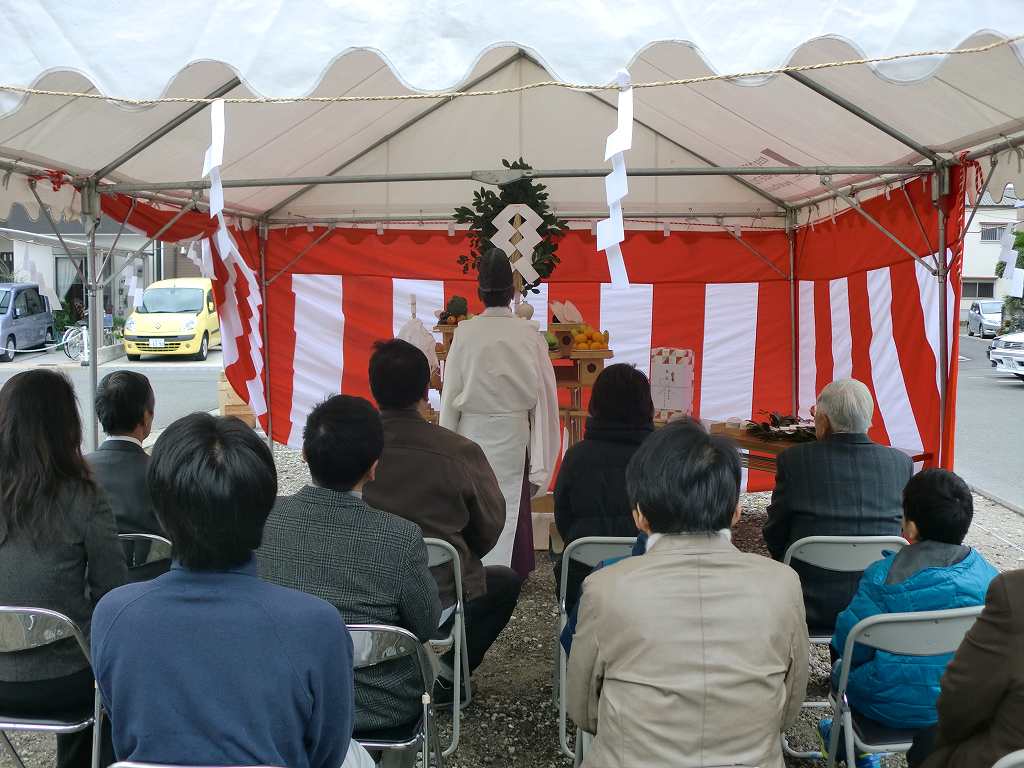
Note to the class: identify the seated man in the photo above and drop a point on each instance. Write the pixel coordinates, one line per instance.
(665, 666)
(981, 707)
(124, 406)
(370, 565)
(442, 482)
(208, 664)
(841, 485)
(936, 572)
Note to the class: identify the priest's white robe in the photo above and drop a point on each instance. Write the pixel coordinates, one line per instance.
(499, 391)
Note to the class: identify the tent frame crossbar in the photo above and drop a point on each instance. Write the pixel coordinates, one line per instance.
(570, 216)
(739, 239)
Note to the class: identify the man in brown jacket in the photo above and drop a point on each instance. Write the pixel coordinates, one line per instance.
(981, 707)
(693, 653)
(442, 482)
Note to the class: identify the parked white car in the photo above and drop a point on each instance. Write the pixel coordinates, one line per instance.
(984, 318)
(1007, 354)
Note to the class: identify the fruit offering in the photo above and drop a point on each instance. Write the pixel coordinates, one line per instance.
(456, 311)
(552, 341)
(587, 338)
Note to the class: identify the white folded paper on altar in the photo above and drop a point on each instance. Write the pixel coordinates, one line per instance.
(417, 334)
(566, 313)
(671, 382)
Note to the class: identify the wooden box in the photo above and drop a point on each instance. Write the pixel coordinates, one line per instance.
(564, 333)
(230, 404)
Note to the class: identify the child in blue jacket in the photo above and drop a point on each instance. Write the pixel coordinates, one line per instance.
(936, 572)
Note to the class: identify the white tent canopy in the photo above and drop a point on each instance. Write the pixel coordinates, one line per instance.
(894, 113)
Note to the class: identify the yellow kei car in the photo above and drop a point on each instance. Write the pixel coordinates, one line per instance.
(177, 317)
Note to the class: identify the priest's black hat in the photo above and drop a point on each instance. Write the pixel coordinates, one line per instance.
(494, 272)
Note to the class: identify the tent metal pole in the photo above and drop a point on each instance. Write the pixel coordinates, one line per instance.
(942, 276)
(263, 232)
(867, 117)
(854, 189)
(391, 134)
(326, 233)
(596, 215)
(56, 230)
(852, 202)
(977, 203)
(139, 251)
(794, 337)
(94, 292)
(499, 178)
(996, 148)
(163, 130)
(753, 250)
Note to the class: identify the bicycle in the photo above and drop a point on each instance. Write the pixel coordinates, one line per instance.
(73, 340)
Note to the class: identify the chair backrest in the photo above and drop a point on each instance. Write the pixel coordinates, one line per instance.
(159, 547)
(1013, 760)
(591, 550)
(439, 553)
(848, 554)
(374, 644)
(23, 628)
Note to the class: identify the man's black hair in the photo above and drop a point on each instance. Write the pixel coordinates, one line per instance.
(212, 482)
(622, 394)
(684, 480)
(399, 374)
(342, 441)
(123, 398)
(940, 504)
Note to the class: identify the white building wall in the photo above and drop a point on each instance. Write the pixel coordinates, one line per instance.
(980, 257)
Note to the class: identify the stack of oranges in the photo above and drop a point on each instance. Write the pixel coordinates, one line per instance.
(586, 337)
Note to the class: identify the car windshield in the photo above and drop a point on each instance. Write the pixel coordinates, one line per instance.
(165, 300)
(5, 301)
(991, 308)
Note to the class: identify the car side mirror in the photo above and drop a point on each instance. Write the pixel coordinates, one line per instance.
(17, 313)
(211, 307)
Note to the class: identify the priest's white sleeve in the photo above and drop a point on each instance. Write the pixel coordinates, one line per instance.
(545, 428)
(451, 387)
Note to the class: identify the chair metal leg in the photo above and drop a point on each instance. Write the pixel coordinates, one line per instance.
(790, 752)
(458, 649)
(466, 682)
(851, 749)
(833, 736)
(11, 749)
(562, 716)
(97, 727)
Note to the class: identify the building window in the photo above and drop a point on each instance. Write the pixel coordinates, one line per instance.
(979, 289)
(992, 233)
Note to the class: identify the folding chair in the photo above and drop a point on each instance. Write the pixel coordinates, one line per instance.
(375, 644)
(1013, 760)
(22, 629)
(440, 553)
(844, 554)
(589, 550)
(159, 548)
(133, 764)
(926, 633)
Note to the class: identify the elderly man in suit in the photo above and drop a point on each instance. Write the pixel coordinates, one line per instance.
(125, 405)
(371, 565)
(694, 653)
(843, 484)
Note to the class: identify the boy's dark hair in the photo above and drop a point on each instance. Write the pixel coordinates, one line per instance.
(212, 482)
(399, 374)
(342, 441)
(684, 480)
(622, 394)
(123, 398)
(940, 504)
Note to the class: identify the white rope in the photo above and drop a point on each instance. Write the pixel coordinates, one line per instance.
(22, 90)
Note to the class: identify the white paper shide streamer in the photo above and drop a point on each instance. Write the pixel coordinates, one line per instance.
(230, 319)
(611, 231)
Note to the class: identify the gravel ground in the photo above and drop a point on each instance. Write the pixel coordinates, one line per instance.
(513, 721)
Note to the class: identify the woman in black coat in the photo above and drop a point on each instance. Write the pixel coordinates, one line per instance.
(590, 495)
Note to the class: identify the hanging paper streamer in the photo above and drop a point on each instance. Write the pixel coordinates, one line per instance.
(611, 231)
(1007, 254)
(519, 253)
(134, 290)
(241, 280)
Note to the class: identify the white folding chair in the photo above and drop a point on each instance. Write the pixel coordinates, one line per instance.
(375, 644)
(589, 550)
(159, 547)
(844, 554)
(1013, 760)
(441, 553)
(134, 764)
(925, 633)
(23, 628)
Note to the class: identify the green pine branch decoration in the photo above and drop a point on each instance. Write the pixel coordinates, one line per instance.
(487, 205)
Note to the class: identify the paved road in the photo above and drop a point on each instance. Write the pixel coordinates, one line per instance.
(990, 425)
(181, 386)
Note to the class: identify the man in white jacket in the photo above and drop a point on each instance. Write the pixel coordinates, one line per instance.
(499, 391)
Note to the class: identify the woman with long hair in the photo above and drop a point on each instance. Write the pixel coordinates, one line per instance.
(590, 494)
(58, 548)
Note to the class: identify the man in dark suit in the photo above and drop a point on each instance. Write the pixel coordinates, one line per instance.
(124, 406)
(442, 482)
(841, 485)
(371, 565)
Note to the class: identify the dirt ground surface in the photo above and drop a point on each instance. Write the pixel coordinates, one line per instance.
(513, 719)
